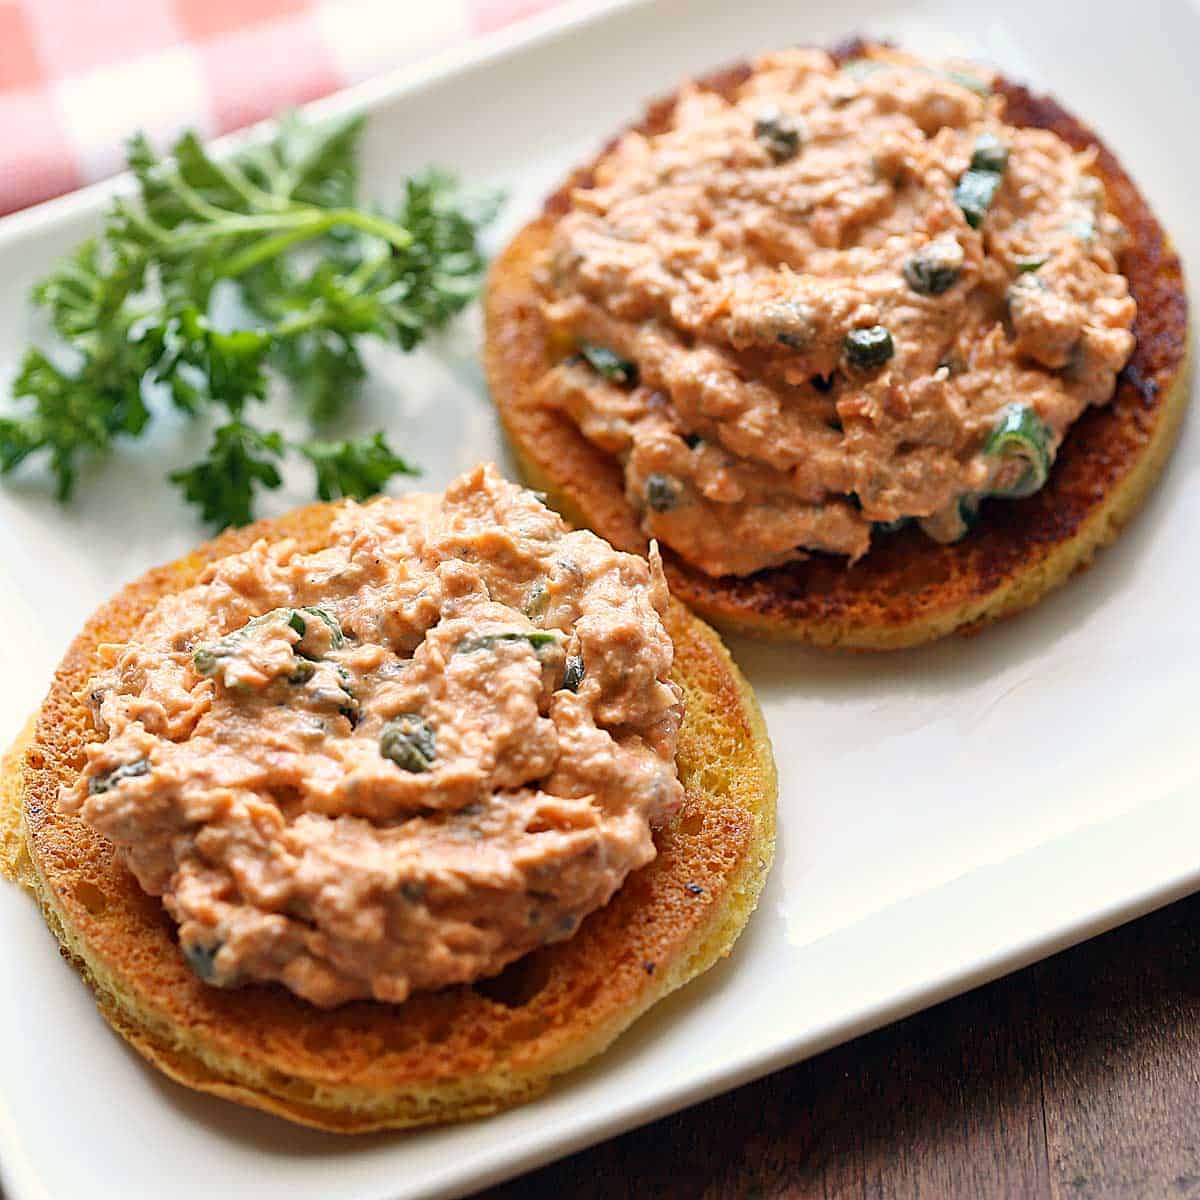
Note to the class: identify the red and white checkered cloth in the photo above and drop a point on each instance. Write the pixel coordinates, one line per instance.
(77, 77)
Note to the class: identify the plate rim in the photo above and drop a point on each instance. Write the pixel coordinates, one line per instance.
(1144, 885)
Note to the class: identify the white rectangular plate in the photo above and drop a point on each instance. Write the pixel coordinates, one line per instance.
(945, 816)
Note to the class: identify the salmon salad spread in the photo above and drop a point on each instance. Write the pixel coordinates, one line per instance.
(848, 299)
(398, 762)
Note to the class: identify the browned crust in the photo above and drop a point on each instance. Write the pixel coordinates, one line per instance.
(908, 589)
(440, 1056)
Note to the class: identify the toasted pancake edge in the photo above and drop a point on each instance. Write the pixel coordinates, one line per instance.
(912, 591)
(724, 746)
(1014, 594)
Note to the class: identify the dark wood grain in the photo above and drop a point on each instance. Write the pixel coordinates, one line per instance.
(1078, 1077)
(1119, 1030)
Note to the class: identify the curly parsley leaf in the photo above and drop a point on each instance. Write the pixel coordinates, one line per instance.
(314, 272)
(370, 287)
(240, 460)
(203, 366)
(353, 468)
(87, 294)
(72, 413)
(313, 164)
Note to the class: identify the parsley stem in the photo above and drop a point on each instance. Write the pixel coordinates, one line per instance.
(254, 196)
(364, 272)
(300, 323)
(312, 224)
(272, 247)
(232, 225)
(395, 235)
(198, 205)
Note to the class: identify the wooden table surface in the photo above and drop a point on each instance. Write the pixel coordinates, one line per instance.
(1077, 1077)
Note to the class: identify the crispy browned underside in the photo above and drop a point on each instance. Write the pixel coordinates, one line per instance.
(440, 1056)
(908, 589)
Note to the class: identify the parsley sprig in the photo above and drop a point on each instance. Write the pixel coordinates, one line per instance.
(311, 272)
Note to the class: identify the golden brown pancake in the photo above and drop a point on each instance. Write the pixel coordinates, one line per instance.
(442, 1055)
(908, 589)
